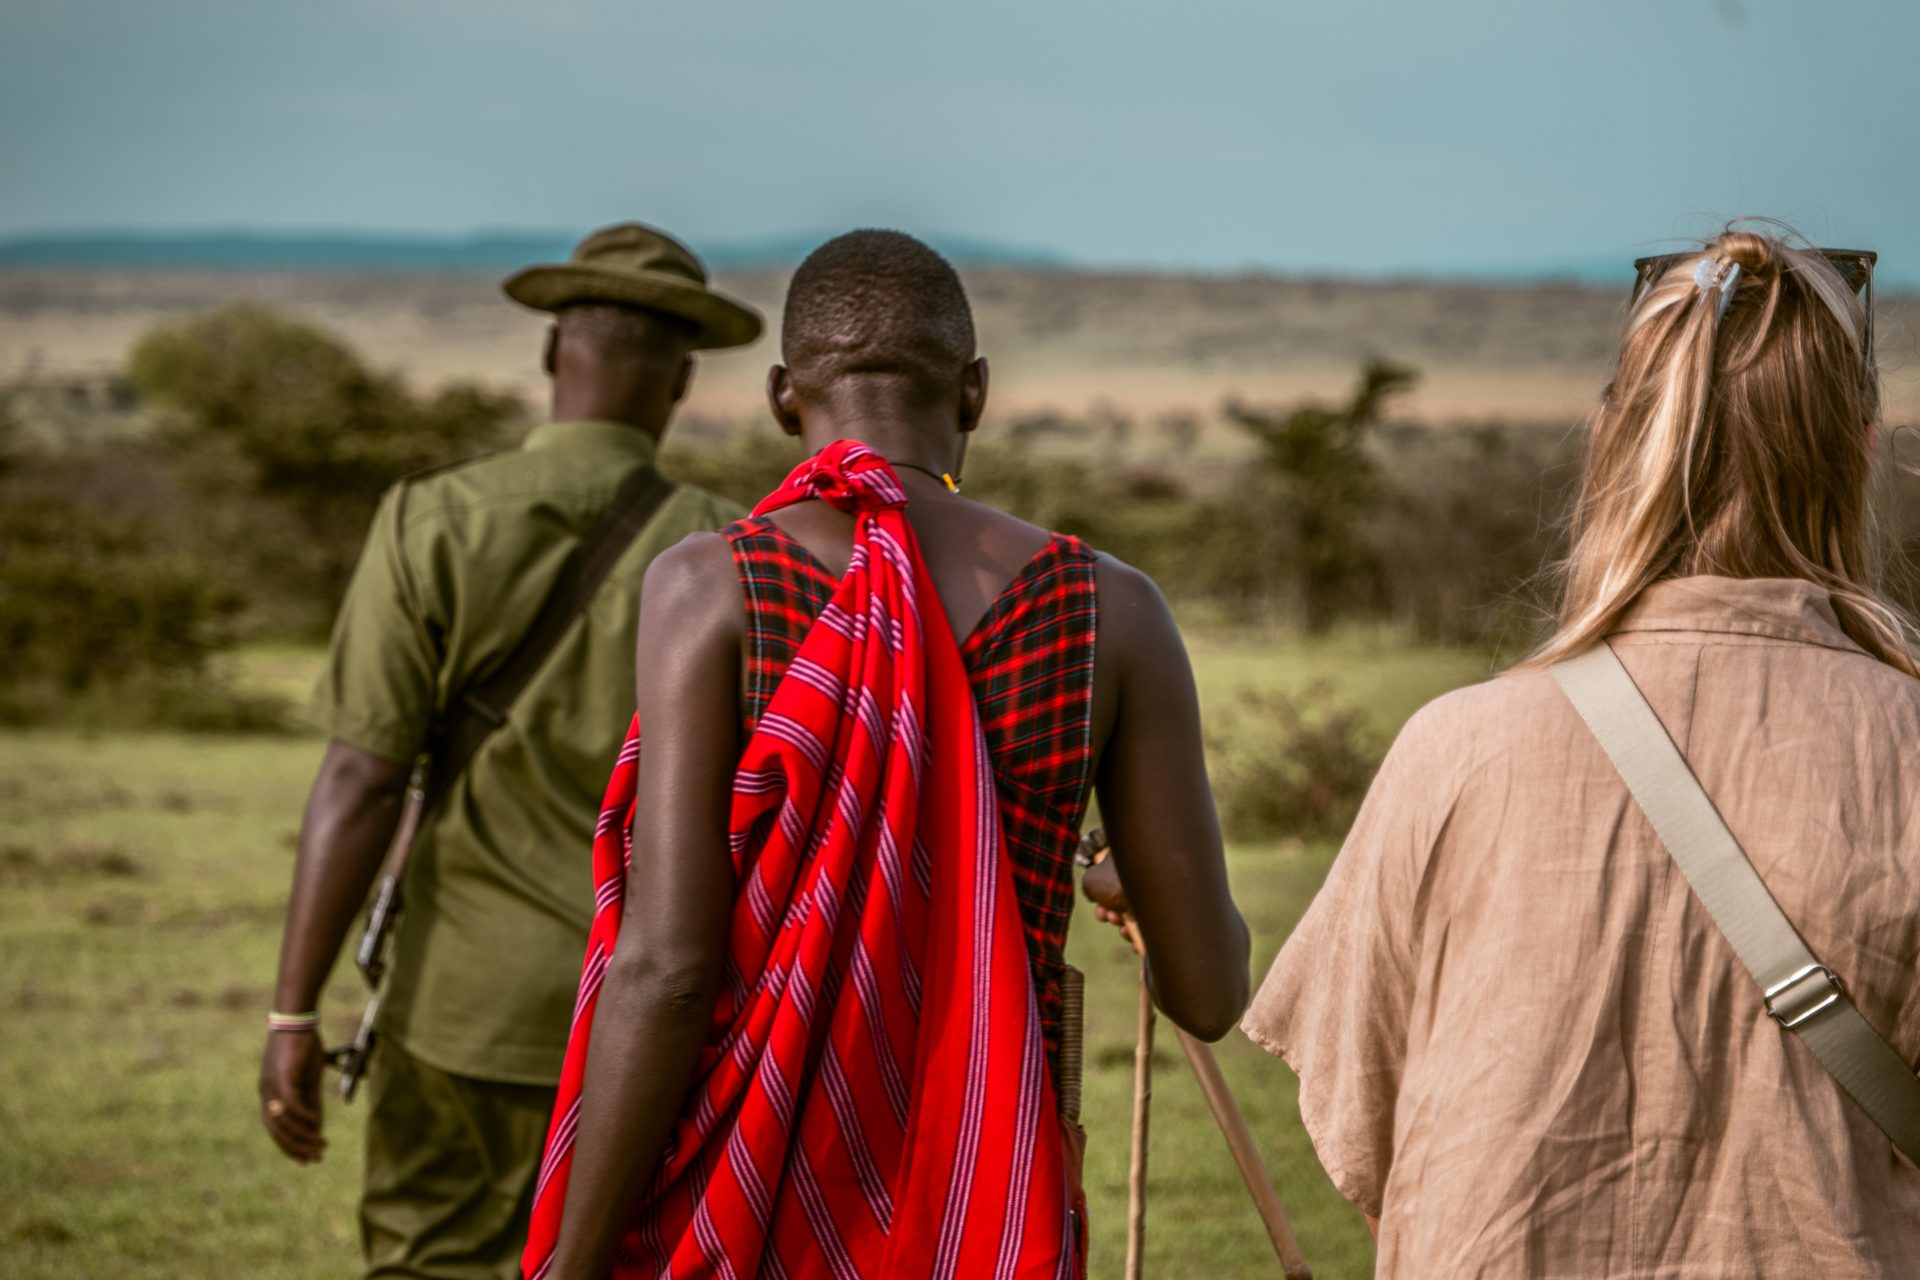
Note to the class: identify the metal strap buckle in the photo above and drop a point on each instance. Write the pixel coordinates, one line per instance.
(1799, 1004)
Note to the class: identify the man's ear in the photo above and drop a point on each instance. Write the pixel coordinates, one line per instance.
(682, 379)
(550, 356)
(783, 400)
(973, 394)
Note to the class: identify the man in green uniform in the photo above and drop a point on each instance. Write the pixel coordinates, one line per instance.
(457, 567)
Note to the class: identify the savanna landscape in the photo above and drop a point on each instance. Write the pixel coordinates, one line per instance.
(1349, 491)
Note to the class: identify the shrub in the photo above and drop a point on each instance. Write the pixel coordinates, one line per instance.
(99, 624)
(743, 463)
(292, 439)
(1470, 518)
(1286, 766)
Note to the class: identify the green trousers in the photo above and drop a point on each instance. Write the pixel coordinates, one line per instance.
(450, 1169)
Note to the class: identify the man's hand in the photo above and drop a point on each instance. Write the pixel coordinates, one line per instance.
(290, 1093)
(1101, 884)
(356, 803)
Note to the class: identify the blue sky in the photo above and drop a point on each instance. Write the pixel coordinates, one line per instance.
(1466, 136)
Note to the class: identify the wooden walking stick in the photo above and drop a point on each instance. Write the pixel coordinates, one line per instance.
(1233, 1127)
(1226, 1114)
(1142, 1105)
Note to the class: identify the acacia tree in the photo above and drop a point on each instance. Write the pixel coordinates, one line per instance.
(1319, 476)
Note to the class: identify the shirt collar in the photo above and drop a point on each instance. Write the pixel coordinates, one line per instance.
(595, 436)
(1777, 608)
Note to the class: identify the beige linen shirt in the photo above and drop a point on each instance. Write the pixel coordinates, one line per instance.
(1521, 1041)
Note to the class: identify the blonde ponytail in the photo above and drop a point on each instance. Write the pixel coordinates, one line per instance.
(1734, 439)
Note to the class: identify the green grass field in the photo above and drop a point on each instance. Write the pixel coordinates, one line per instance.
(141, 883)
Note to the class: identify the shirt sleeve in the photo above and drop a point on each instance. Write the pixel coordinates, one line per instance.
(1336, 1003)
(378, 689)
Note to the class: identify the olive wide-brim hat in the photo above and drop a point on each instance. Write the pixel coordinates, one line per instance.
(634, 265)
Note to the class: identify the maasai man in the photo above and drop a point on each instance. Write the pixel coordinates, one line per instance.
(459, 566)
(816, 1022)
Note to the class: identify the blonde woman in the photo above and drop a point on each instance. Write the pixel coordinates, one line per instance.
(1525, 1045)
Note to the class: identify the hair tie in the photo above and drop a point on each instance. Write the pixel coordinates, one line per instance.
(1717, 273)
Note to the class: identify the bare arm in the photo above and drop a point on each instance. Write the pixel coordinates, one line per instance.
(664, 976)
(1158, 809)
(351, 814)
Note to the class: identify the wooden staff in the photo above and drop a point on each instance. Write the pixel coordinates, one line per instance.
(1142, 1103)
(1233, 1126)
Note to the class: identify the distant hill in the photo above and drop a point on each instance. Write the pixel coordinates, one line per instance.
(489, 252)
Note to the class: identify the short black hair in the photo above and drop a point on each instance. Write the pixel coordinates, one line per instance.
(877, 302)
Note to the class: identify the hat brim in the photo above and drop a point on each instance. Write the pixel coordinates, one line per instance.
(720, 321)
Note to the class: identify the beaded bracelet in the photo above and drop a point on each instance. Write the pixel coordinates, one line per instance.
(292, 1021)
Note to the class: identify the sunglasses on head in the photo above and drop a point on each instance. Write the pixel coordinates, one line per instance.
(1855, 267)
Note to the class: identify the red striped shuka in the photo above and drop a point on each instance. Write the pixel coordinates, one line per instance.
(876, 1094)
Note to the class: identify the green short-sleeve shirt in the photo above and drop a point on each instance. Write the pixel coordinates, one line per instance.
(500, 892)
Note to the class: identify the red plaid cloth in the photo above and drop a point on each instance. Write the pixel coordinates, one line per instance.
(872, 1100)
(1031, 663)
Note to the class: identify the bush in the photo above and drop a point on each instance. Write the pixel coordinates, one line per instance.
(99, 624)
(292, 439)
(1288, 766)
(1470, 518)
(742, 463)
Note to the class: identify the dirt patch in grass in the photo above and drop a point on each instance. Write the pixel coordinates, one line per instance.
(31, 997)
(231, 999)
(72, 860)
(111, 913)
(40, 1229)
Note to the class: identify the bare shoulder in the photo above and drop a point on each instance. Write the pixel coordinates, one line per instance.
(1007, 524)
(691, 588)
(1127, 593)
(1002, 538)
(1126, 584)
(1136, 623)
(699, 557)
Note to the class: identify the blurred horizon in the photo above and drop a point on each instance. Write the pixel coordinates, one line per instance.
(242, 250)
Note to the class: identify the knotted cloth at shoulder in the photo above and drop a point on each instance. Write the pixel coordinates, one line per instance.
(846, 474)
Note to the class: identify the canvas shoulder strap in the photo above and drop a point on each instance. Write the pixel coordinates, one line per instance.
(482, 707)
(1799, 992)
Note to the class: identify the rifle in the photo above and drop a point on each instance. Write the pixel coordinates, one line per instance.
(376, 940)
(467, 724)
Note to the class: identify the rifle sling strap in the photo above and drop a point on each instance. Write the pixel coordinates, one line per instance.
(478, 710)
(1798, 992)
